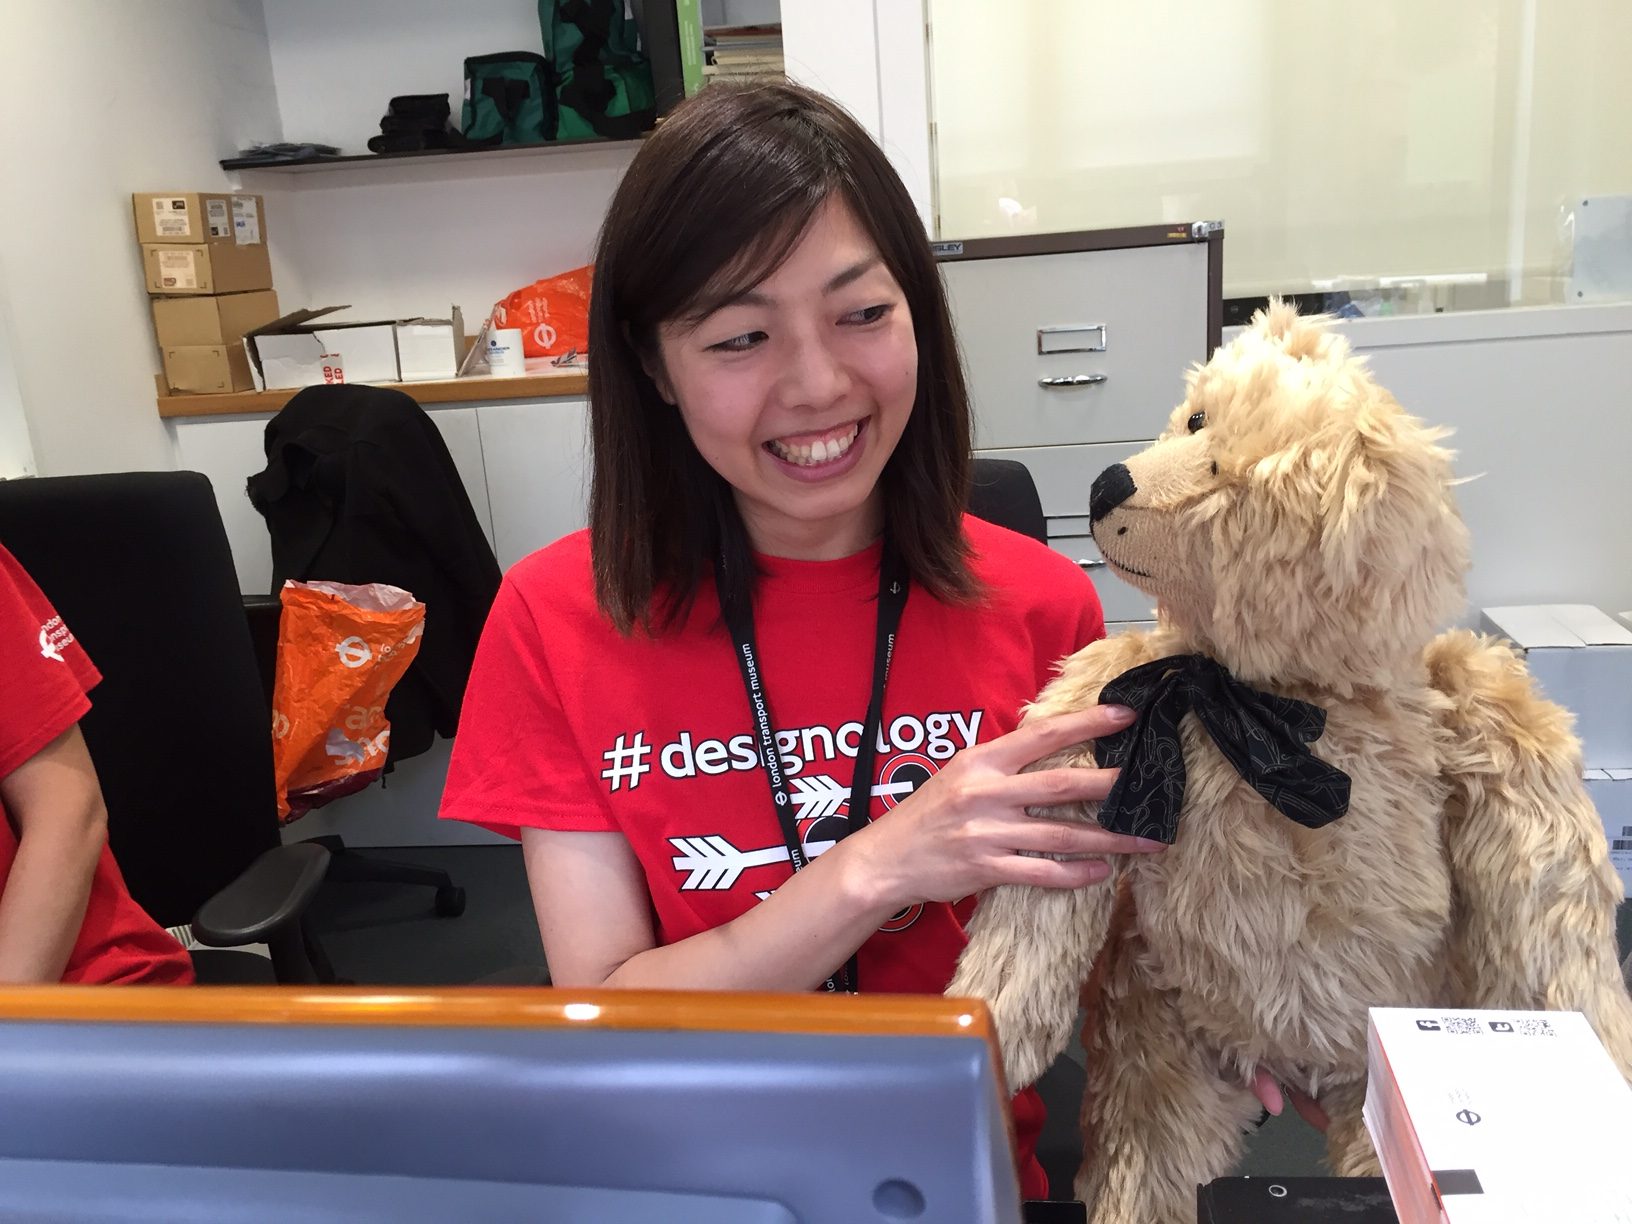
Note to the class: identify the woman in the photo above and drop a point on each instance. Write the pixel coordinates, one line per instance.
(65, 915)
(781, 458)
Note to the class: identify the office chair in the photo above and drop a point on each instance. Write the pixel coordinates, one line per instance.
(138, 566)
(1002, 491)
(359, 487)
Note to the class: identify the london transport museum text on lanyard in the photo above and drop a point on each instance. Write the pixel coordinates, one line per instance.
(892, 598)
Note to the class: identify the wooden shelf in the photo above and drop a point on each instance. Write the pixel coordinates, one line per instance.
(551, 385)
(355, 161)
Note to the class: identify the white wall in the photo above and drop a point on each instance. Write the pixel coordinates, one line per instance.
(16, 448)
(104, 98)
(413, 237)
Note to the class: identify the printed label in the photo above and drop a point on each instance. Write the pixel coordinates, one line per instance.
(246, 222)
(218, 218)
(170, 219)
(178, 269)
(334, 371)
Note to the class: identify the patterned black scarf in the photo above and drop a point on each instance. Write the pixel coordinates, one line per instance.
(1261, 735)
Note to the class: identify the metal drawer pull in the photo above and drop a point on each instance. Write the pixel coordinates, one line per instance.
(1073, 380)
(1091, 563)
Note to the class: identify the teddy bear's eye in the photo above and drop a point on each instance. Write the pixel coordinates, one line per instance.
(1196, 421)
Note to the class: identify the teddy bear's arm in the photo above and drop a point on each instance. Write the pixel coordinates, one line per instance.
(1534, 917)
(1030, 949)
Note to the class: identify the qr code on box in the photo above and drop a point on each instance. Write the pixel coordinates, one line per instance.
(1536, 1027)
(1461, 1024)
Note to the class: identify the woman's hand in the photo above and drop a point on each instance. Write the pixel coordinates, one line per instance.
(963, 831)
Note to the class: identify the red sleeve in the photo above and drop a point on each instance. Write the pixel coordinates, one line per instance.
(47, 673)
(516, 762)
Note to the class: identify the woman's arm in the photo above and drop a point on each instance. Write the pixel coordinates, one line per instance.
(960, 833)
(55, 803)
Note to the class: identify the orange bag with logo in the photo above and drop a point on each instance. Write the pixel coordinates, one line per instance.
(341, 649)
(553, 314)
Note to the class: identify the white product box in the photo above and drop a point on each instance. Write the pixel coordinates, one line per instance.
(1611, 793)
(1497, 1117)
(1582, 659)
(430, 349)
(298, 351)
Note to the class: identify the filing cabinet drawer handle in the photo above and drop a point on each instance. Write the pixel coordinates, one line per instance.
(1091, 563)
(1073, 380)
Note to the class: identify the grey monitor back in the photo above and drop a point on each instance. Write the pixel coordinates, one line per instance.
(228, 1122)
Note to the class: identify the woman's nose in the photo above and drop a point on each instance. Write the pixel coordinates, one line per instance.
(814, 376)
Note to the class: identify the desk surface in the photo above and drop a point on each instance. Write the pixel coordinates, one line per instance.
(542, 385)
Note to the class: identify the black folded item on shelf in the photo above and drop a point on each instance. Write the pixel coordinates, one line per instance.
(413, 122)
(286, 151)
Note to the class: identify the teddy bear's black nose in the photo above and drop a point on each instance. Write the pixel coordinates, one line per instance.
(1111, 488)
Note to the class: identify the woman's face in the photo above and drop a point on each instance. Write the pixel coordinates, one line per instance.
(796, 393)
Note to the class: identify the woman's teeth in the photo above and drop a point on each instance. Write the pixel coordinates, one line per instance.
(823, 450)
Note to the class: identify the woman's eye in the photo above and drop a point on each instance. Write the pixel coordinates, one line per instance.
(738, 344)
(869, 314)
(1196, 421)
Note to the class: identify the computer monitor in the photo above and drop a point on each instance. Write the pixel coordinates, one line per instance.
(227, 1104)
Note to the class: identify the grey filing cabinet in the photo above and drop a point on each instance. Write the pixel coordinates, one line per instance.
(1076, 347)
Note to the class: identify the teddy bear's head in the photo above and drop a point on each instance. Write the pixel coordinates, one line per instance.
(1293, 521)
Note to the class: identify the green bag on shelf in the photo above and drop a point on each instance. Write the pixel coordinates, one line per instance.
(509, 99)
(603, 82)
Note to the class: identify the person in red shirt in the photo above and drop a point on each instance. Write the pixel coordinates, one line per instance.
(65, 914)
(756, 728)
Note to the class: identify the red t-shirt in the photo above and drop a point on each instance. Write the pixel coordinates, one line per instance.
(568, 725)
(48, 676)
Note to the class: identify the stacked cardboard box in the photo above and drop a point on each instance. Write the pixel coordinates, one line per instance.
(208, 273)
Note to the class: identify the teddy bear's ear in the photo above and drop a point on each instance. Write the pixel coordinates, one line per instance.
(1387, 478)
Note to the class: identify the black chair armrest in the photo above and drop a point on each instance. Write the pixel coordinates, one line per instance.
(272, 893)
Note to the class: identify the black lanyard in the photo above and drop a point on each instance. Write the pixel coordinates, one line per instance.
(892, 598)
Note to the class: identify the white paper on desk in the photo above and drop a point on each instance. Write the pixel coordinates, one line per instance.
(1530, 1102)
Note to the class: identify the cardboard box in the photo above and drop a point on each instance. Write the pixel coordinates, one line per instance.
(233, 218)
(221, 268)
(1611, 793)
(298, 350)
(1582, 659)
(221, 319)
(430, 348)
(207, 368)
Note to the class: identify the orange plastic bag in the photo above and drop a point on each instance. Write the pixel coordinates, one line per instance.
(553, 314)
(341, 649)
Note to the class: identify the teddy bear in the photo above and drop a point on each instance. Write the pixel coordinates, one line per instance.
(1361, 809)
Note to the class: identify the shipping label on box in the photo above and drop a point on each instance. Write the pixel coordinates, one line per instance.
(177, 269)
(246, 220)
(1581, 658)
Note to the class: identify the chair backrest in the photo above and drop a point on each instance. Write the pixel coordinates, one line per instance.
(1003, 492)
(138, 566)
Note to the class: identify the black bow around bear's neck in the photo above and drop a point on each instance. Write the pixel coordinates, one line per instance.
(1261, 735)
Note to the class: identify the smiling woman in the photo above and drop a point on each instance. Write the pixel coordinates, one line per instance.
(756, 728)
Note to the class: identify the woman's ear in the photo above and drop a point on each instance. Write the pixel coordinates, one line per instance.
(651, 360)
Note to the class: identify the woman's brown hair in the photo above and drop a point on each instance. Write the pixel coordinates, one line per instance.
(713, 202)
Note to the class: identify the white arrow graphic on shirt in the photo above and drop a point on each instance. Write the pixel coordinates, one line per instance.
(820, 795)
(715, 864)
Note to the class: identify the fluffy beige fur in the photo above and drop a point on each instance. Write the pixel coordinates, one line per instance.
(1306, 537)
